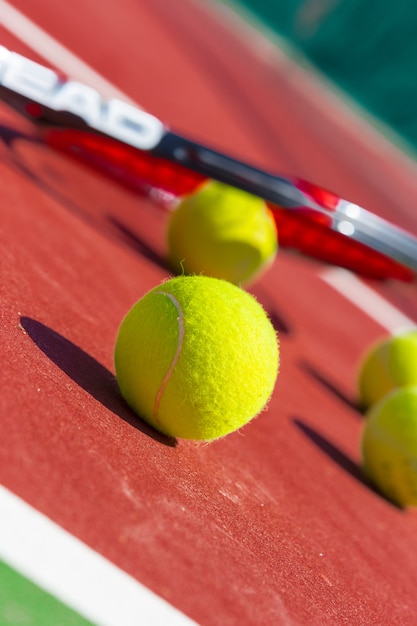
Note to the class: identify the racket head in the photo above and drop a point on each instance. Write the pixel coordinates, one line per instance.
(305, 230)
(309, 227)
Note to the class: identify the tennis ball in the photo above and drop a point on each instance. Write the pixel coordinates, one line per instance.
(389, 363)
(196, 357)
(222, 232)
(389, 446)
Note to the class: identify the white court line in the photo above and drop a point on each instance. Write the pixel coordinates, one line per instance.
(50, 49)
(366, 299)
(74, 573)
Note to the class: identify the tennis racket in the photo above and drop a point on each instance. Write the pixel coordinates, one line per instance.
(139, 151)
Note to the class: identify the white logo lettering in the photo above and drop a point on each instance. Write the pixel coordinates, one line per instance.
(28, 78)
(115, 118)
(132, 125)
(80, 100)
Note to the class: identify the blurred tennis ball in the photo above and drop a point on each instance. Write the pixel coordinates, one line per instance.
(386, 365)
(197, 357)
(222, 232)
(389, 446)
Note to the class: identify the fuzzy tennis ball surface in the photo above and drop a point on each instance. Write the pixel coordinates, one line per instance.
(197, 357)
(389, 446)
(222, 232)
(390, 363)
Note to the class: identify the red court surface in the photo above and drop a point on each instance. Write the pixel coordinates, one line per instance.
(272, 525)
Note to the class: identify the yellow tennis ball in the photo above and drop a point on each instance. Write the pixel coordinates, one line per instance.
(389, 363)
(222, 232)
(197, 357)
(389, 446)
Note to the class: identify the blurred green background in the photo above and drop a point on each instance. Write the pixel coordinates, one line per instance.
(366, 47)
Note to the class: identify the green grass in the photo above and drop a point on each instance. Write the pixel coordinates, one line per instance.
(22, 603)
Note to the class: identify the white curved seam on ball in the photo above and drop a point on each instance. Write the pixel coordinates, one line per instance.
(181, 330)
